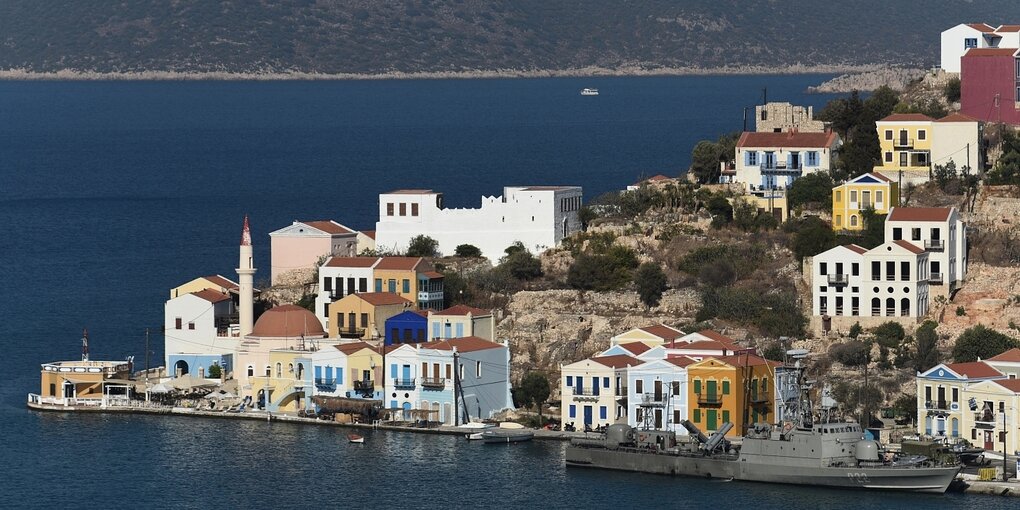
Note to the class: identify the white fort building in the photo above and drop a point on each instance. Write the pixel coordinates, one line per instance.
(537, 216)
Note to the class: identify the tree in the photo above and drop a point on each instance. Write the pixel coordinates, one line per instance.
(906, 406)
(467, 250)
(889, 334)
(215, 372)
(650, 282)
(720, 209)
(927, 346)
(981, 342)
(855, 353)
(533, 391)
(952, 90)
(307, 302)
(813, 188)
(586, 215)
(855, 331)
(707, 155)
(813, 236)
(422, 246)
(522, 265)
(874, 228)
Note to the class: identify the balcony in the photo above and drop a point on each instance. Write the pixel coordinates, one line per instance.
(430, 296)
(323, 384)
(781, 169)
(653, 400)
(934, 245)
(935, 278)
(709, 399)
(403, 384)
(352, 332)
(433, 383)
(838, 279)
(937, 404)
(366, 388)
(903, 143)
(986, 419)
(584, 392)
(759, 399)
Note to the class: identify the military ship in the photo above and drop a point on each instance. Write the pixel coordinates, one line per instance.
(798, 451)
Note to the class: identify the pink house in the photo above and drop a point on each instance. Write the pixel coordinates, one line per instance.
(990, 84)
(297, 248)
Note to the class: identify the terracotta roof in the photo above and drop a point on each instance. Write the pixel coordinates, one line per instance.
(288, 321)
(746, 360)
(909, 247)
(981, 27)
(907, 117)
(701, 345)
(411, 192)
(1010, 384)
(463, 310)
(654, 178)
(919, 214)
(382, 298)
(787, 139)
(351, 261)
(369, 233)
(433, 275)
(957, 117)
(717, 336)
(1012, 356)
(464, 344)
(974, 370)
(354, 347)
(618, 361)
(212, 296)
(681, 361)
(1008, 28)
(222, 281)
(663, 331)
(635, 348)
(856, 249)
(990, 52)
(399, 263)
(328, 226)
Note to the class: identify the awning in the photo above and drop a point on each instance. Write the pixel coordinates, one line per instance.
(346, 405)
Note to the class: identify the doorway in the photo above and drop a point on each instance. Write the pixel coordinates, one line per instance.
(989, 445)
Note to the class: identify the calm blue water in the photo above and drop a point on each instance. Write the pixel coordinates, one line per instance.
(111, 193)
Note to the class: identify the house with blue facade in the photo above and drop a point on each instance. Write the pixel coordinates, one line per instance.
(657, 394)
(197, 365)
(483, 369)
(407, 327)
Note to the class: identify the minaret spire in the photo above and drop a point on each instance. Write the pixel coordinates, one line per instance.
(84, 344)
(245, 280)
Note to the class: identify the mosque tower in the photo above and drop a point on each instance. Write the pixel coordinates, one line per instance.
(246, 276)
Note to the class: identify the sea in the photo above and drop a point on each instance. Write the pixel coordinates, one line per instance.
(111, 193)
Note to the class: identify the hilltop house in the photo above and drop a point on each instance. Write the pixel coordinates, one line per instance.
(961, 39)
(537, 216)
(769, 162)
(868, 191)
(911, 143)
(989, 90)
(297, 248)
(941, 233)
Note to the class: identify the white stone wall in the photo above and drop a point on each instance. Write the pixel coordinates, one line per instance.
(958, 142)
(202, 339)
(534, 217)
(323, 298)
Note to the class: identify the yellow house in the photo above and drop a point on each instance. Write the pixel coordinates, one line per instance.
(651, 336)
(738, 389)
(216, 282)
(412, 278)
(943, 407)
(996, 416)
(364, 365)
(364, 315)
(905, 139)
(871, 190)
(288, 381)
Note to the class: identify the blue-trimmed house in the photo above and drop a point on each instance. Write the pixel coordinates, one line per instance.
(942, 407)
(407, 327)
(197, 365)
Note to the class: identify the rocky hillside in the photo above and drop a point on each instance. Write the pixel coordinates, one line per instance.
(362, 36)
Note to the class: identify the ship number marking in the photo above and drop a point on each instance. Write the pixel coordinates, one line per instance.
(859, 478)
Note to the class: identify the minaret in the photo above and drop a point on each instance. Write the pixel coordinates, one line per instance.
(245, 278)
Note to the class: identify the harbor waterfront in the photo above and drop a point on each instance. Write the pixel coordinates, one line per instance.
(115, 191)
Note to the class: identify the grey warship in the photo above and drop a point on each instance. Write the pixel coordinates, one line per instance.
(798, 452)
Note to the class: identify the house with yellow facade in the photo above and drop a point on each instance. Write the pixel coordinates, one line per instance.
(215, 282)
(868, 191)
(412, 278)
(364, 315)
(911, 143)
(83, 383)
(288, 382)
(738, 389)
(992, 419)
(653, 335)
(943, 401)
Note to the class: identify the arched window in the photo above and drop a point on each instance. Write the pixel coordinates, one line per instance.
(853, 220)
(300, 370)
(290, 368)
(890, 307)
(876, 307)
(251, 371)
(279, 369)
(905, 307)
(268, 371)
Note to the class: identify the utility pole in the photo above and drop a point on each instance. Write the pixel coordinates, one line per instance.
(456, 388)
(1005, 475)
(146, 364)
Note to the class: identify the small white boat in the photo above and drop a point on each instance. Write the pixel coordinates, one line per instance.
(475, 437)
(354, 438)
(507, 436)
(589, 92)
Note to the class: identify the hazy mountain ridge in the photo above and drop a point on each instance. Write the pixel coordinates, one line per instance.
(411, 36)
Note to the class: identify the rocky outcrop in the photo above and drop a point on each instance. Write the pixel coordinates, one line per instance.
(896, 78)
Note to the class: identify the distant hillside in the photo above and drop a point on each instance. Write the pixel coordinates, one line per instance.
(378, 36)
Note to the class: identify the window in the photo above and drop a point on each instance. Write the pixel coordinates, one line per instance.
(340, 319)
(605, 382)
(888, 157)
(878, 197)
(904, 271)
(251, 371)
(478, 369)
(888, 135)
(403, 209)
(639, 386)
(602, 412)
(890, 270)
(177, 323)
(839, 196)
(726, 387)
(956, 394)
(725, 416)
(876, 270)
(853, 220)
(676, 416)
(697, 386)
(752, 157)
(839, 220)
(922, 134)
(839, 305)
(823, 305)
(969, 42)
(866, 199)
(823, 268)
(812, 158)
(573, 411)
(855, 269)
(279, 369)
(362, 284)
(903, 159)
(915, 234)
(676, 390)
(855, 306)
(378, 284)
(697, 416)
(406, 286)
(414, 209)
(364, 320)
(191, 325)
(391, 286)
(389, 209)
(853, 196)
(922, 159)
(327, 284)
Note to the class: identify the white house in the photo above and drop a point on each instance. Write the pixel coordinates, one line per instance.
(957, 40)
(772, 161)
(657, 394)
(460, 321)
(957, 138)
(593, 390)
(941, 233)
(198, 323)
(341, 276)
(484, 376)
(537, 216)
(840, 269)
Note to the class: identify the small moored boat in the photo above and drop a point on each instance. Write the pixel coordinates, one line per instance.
(475, 437)
(354, 438)
(589, 92)
(507, 436)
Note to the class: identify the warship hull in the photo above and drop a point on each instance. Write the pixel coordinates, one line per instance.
(912, 479)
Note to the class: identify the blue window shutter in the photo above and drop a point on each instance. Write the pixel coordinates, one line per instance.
(393, 370)
(329, 374)
(605, 382)
(378, 284)
(747, 157)
(602, 412)
(594, 385)
(393, 404)
(460, 330)
(318, 372)
(573, 411)
(435, 330)
(570, 381)
(339, 375)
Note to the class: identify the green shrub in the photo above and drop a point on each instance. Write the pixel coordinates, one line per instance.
(650, 282)
(467, 250)
(422, 246)
(980, 342)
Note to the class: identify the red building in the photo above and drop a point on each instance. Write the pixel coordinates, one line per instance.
(990, 84)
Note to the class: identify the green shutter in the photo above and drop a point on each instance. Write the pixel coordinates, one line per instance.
(697, 416)
(725, 387)
(725, 416)
(697, 386)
